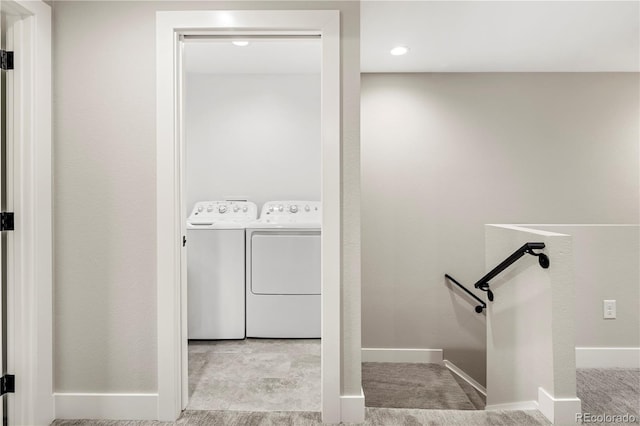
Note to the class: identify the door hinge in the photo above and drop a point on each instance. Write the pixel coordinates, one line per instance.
(6, 60)
(6, 221)
(7, 384)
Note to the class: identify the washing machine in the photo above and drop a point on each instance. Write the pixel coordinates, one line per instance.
(284, 270)
(216, 268)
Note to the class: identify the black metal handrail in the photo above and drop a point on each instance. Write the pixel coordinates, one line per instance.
(481, 306)
(483, 283)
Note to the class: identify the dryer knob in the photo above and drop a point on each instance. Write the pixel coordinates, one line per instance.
(199, 209)
(293, 208)
(209, 208)
(222, 209)
(235, 209)
(244, 209)
(271, 208)
(307, 208)
(280, 208)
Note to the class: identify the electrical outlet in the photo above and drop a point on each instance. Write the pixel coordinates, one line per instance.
(609, 309)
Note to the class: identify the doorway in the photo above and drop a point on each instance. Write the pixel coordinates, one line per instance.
(27, 185)
(251, 120)
(171, 219)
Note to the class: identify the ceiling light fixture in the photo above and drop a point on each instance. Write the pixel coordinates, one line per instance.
(399, 50)
(241, 43)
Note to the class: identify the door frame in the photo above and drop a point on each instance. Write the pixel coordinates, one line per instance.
(171, 217)
(30, 268)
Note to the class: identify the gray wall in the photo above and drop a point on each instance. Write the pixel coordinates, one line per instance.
(605, 267)
(444, 154)
(252, 135)
(105, 183)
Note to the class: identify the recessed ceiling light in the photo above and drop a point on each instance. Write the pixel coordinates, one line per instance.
(240, 43)
(399, 50)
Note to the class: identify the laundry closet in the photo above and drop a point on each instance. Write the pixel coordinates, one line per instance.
(252, 142)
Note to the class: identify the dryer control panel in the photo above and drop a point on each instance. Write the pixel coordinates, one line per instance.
(292, 212)
(223, 211)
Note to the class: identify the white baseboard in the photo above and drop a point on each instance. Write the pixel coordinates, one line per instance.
(558, 410)
(607, 357)
(431, 356)
(106, 406)
(522, 405)
(352, 408)
(464, 376)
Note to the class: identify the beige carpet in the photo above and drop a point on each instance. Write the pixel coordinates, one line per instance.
(409, 385)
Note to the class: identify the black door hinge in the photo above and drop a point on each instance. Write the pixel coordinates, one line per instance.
(6, 60)
(6, 221)
(7, 384)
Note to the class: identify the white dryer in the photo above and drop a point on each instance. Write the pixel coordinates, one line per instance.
(284, 270)
(216, 268)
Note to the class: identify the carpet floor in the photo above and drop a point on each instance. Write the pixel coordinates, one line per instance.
(412, 385)
(602, 391)
(611, 391)
(374, 416)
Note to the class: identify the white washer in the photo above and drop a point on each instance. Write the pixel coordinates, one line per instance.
(216, 268)
(283, 271)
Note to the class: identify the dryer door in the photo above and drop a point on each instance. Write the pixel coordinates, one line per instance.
(285, 262)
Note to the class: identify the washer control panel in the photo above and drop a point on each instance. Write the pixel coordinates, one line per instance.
(292, 211)
(223, 211)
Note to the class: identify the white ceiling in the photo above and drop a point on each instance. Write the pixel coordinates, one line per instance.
(272, 56)
(455, 36)
(492, 36)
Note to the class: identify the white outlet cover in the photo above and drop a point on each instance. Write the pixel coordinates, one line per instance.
(609, 309)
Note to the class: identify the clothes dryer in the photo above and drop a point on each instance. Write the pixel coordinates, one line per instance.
(216, 268)
(283, 271)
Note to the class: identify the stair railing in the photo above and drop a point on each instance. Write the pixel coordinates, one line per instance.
(483, 283)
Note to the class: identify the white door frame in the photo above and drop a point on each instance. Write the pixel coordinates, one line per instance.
(30, 298)
(171, 220)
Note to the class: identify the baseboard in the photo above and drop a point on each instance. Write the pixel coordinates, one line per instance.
(106, 406)
(558, 410)
(523, 405)
(431, 356)
(352, 408)
(464, 376)
(607, 357)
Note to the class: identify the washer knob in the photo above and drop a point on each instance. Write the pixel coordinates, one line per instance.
(293, 208)
(222, 208)
(209, 208)
(199, 209)
(244, 209)
(280, 208)
(271, 208)
(235, 209)
(307, 208)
